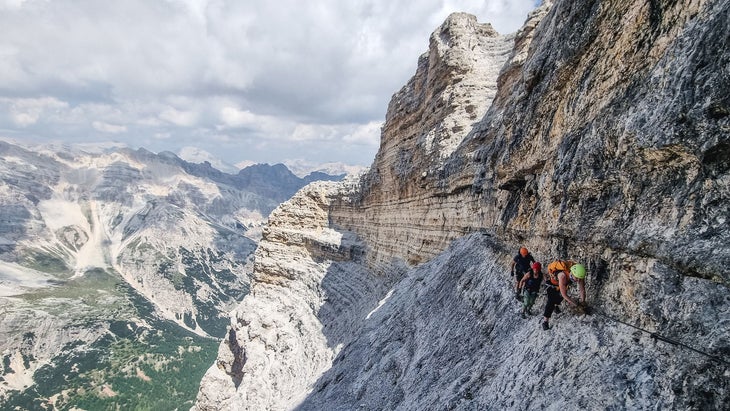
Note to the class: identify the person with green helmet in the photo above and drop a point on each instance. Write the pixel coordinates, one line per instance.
(560, 275)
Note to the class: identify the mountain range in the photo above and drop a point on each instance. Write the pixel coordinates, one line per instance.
(118, 268)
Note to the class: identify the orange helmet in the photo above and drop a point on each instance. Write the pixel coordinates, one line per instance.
(524, 252)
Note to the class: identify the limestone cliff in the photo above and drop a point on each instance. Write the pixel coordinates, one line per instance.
(310, 287)
(604, 138)
(426, 121)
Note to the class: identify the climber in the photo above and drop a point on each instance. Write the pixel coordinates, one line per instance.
(520, 265)
(530, 283)
(559, 276)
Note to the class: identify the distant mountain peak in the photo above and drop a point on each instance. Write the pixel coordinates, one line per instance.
(198, 155)
(303, 168)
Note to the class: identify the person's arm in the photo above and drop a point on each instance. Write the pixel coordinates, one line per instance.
(582, 287)
(512, 268)
(563, 283)
(524, 279)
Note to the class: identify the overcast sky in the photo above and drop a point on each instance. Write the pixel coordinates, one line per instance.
(255, 80)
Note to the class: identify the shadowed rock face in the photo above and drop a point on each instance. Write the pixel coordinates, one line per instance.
(606, 141)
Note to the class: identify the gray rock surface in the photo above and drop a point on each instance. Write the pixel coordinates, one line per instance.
(449, 337)
(606, 142)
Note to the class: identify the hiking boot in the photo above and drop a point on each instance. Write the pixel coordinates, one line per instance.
(557, 309)
(529, 311)
(523, 315)
(518, 296)
(545, 326)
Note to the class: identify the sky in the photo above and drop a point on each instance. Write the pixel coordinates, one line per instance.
(256, 81)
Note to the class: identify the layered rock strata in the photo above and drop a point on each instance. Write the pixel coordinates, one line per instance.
(607, 142)
(309, 289)
(396, 208)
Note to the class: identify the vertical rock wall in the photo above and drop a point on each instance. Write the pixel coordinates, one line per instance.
(310, 289)
(605, 140)
(610, 134)
(402, 207)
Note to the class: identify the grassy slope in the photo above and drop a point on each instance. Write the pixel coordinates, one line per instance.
(153, 366)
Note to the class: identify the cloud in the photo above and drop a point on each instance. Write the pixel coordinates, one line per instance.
(234, 117)
(182, 118)
(108, 128)
(218, 73)
(11, 4)
(27, 111)
(365, 134)
(361, 134)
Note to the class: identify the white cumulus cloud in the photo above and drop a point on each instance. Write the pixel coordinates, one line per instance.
(244, 80)
(108, 128)
(27, 111)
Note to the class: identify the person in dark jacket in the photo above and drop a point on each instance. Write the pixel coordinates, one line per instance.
(520, 265)
(530, 285)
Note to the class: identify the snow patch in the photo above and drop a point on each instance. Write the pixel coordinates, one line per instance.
(380, 304)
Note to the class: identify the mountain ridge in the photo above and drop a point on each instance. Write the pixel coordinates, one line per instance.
(126, 249)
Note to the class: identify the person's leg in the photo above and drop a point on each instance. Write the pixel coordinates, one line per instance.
(529, 301)
(549, 304)
(553, 298)
(525, 304)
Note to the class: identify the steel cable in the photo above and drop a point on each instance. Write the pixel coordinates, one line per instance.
(660, 337)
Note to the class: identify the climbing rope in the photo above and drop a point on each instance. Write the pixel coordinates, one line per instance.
(655, 336)
(659, 337)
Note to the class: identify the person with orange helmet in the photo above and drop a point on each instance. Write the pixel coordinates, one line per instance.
(520, 265)
(530, 285)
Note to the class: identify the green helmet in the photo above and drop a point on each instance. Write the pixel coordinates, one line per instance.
(578, 271)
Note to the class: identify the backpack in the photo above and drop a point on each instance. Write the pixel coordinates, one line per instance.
(554, 269)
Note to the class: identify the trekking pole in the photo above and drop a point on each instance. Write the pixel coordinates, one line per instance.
(655, 336)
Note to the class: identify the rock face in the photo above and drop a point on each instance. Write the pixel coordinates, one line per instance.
(305, 272)
(426, 122)
(606, 141)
